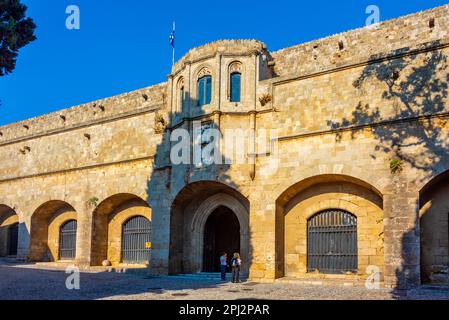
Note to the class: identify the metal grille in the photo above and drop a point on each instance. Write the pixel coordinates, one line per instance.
(13, 236)
(67, 240)
(136, 240)
(332, 242)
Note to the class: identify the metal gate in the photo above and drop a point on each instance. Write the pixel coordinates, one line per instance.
(13, 237)
(136, 240)
(332, 242)
(67, 240)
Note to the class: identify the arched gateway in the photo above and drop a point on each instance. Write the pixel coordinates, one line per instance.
(206, 223)
(221, 234)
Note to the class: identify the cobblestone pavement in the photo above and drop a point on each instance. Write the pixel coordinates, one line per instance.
(31, 282)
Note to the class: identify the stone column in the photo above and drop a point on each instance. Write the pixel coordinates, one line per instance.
(401, 235)
(160, 240)
(23, 245)
(160, 202)
(262, 239)
(84, 237)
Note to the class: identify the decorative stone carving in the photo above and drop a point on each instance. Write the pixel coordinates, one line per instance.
(204, 72)
(235, 67)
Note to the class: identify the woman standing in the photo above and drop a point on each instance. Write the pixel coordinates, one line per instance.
(236, 264)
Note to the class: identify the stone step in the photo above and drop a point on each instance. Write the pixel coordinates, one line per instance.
(325, 282)
(8, 259)
(205, 276)
(436, 287)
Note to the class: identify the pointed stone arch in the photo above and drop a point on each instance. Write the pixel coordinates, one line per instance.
(206, 208)
(191, 209)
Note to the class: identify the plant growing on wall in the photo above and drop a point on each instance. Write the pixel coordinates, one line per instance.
(93, 202)
(396, 166)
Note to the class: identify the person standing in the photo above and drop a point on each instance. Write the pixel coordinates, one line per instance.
(236, 264)
(223, 265)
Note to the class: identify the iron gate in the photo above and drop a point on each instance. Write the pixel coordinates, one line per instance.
(136, 240)
(13, 236)
(332, 242)
(67, 240)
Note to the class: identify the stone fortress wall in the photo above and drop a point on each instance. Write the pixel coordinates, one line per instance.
(344, 109)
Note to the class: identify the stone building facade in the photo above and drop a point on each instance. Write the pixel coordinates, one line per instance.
(353, 126)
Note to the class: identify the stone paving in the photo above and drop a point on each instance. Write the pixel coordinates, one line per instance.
(36, 282)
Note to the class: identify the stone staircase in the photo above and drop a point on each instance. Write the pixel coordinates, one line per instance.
(9, 260)
(206, 276)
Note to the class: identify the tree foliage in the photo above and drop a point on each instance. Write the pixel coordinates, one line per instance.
(16, 31)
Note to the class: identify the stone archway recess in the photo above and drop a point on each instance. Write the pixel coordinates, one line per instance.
(434, 230)
(45, 227)
(302, 200)
(198, 224)
(190, 210)
(8, 218)
(108, 219)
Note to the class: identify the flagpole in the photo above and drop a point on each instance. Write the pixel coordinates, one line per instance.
(173, 47)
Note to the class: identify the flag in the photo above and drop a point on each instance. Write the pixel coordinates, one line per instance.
(172, 43)
(172, 38)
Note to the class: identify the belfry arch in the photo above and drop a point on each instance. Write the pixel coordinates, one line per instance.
(195, 213)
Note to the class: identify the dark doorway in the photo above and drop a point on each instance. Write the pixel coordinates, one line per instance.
(221, 234)
(13, 237)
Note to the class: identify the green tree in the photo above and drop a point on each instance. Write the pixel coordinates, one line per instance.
(16, 31)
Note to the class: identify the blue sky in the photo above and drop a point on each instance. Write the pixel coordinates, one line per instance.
(123, 45)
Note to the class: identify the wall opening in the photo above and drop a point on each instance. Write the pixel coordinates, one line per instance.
(434, 229)
(109, 219)
(13, 239)
(329, 224)
(221, 234)
(9, 231)
(46, 223)
(208, 217)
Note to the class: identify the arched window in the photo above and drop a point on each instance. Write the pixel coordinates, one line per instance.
(67, 240)
(235, 85)
(332, 242)
(180, 96)
(136, 240)
(204, 90)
